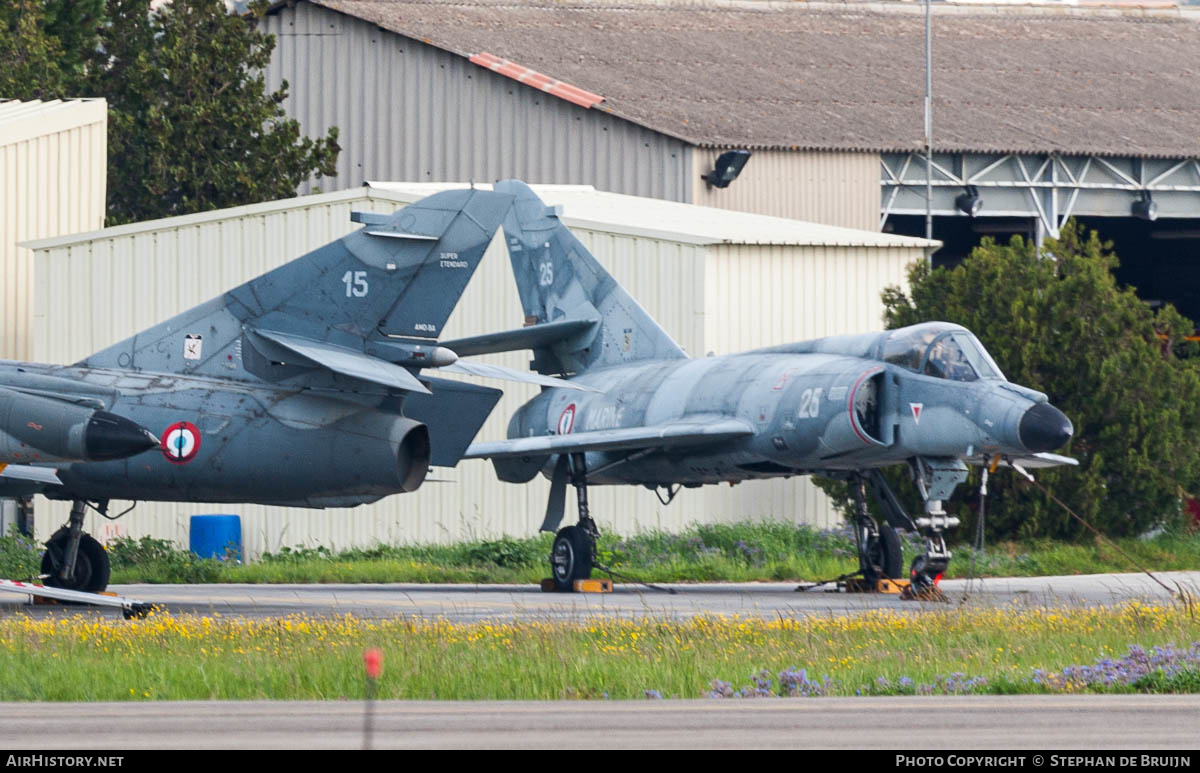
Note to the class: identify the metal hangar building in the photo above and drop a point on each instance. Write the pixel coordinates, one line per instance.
(1040, 112)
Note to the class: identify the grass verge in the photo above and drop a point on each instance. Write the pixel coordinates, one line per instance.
(743, 552)
(1131, 648)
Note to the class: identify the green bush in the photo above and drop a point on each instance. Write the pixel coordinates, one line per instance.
(20, 556)
(1056, 321)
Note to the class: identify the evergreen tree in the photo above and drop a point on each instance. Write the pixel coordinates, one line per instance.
(191, 125)
(1058, 322)
(31, 56)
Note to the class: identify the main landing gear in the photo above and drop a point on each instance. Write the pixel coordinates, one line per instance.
(574, 553)
(75, 560)
(879, 555)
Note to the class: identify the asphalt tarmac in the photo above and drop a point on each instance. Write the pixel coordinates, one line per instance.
(1040, 722)
(462, 603)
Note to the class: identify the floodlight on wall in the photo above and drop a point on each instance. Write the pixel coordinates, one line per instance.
(1145, 208)
(968, 202)
(728, 167)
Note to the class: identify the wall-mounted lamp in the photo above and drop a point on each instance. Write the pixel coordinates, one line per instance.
(1145, 208)
(969, 202)
(728, 167)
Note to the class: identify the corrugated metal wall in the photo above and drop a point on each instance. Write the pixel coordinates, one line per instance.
(820, 187)
(760, 296)
(53, 164)
(408, 111)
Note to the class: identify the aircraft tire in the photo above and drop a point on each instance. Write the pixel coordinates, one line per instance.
(92, 568)
(893, 556)
(571, 557)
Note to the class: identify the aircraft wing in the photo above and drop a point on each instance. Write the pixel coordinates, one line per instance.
(1033, 461)
(25, 472)
(672, 435)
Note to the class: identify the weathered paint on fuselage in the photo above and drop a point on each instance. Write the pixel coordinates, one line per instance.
(801, 406)
(321, 450)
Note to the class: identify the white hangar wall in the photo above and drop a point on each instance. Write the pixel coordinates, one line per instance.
(698, 271)
(53, 164)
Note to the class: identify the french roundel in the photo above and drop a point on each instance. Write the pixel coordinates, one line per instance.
(181, 442)
(566, 420)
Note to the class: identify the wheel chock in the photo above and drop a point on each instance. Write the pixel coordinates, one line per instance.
(859, 585)
(931, 593)
(581, 586)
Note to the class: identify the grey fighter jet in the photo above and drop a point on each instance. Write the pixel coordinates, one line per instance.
(928, 396)
(298, 388)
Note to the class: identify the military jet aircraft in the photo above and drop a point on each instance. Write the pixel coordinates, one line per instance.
(844, 406)
(298, 388)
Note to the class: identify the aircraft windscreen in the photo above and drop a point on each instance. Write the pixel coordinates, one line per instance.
(940, 350)
(906, 347)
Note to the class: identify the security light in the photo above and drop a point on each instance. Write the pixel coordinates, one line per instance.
(969, 202)
(1145, 208)
(728, 167)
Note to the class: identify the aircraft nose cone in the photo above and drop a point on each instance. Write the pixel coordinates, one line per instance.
(109, 436)
(1044, 428)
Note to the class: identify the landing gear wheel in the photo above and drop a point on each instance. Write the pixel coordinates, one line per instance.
(91, 564)
(883, 558)
(571, 557)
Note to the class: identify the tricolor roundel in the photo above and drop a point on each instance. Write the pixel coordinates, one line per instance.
(566, 420)
(181, 442)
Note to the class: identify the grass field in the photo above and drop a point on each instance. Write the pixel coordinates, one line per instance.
(1131, 648)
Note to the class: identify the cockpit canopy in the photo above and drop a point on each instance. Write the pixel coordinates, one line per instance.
(941, 350)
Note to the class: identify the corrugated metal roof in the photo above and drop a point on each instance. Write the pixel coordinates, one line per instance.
(847, 76)
(20, 121)
(586, 207)
(583, 206)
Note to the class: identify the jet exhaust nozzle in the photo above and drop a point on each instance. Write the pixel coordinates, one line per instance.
(109, 436)
(1044, 428)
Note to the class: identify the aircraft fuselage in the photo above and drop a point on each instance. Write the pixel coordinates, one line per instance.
(810, 413)
(217, 438)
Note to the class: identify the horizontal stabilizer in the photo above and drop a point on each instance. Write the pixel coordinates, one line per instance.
(532, 337)
(484, 370)
(25, 472)
(347, 362)
(673, 435)
(403, 235)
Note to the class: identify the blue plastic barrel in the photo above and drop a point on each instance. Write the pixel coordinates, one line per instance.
(216, 536)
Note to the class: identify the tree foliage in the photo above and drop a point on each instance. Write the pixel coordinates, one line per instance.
(191, 124)
(30, 56)
(1058, 322)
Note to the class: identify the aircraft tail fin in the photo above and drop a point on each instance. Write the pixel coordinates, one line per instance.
(560, 282)
(401, 275)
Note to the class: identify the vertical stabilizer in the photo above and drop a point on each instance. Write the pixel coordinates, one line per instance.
(398, 276)
(560, 281)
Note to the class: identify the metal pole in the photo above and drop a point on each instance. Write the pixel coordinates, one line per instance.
(928, 137)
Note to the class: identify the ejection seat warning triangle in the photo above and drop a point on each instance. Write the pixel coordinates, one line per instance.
(916, 410)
